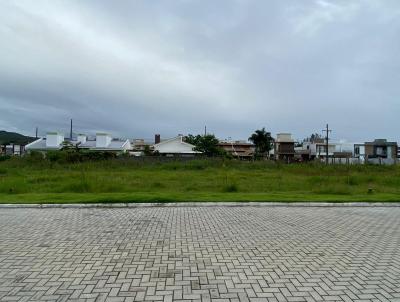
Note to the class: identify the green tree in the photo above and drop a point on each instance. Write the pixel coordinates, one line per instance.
(147, 151)
(208, 144)
(313, 138)
(263, 142)
(192, 139)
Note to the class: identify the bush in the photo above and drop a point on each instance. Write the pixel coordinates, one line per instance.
(95, 156)
(71, 156)
(34, 156)
(55, 156)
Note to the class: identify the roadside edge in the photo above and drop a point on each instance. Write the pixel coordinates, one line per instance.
(203, 204)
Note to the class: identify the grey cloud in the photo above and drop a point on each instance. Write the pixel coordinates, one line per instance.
(140, 67)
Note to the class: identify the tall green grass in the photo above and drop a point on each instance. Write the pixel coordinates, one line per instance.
(214, 176)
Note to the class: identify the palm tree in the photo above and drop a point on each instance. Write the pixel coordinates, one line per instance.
(263, 141)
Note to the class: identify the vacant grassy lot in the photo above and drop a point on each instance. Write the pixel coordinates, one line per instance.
(127, 180)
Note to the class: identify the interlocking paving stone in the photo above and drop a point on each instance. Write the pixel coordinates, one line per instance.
(200, 254)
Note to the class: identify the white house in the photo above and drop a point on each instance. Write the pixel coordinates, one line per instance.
(318, 149)
(175, 146)
(102, 142)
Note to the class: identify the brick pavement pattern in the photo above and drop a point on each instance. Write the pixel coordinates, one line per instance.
(200, 254)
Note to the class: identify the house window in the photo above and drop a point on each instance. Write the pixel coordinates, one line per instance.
(380, 151)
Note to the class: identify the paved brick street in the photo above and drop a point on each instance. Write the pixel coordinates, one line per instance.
(200, 254)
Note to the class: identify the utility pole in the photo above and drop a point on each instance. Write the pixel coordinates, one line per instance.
(36, 132)
(70, 133)
(205, 130)
(327, 130)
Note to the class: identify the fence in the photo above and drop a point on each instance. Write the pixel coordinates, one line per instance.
(360, 161)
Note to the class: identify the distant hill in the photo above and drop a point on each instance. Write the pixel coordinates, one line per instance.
(14, 138)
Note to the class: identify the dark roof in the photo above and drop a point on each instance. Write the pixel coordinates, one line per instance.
(381, 142)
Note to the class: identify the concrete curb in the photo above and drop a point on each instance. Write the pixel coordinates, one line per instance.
(201, 204)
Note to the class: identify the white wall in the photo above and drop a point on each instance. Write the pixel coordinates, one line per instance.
(54, 139)
(102, 140)
(127, 146)
(81, 138)
(284, 137)
(173, 146)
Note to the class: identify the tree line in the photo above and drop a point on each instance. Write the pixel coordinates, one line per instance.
(208, 144)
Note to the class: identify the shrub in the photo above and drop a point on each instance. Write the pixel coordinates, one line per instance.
(95, 156)
(34, 156)
(71, 156)
(65, 156)
(55, 156)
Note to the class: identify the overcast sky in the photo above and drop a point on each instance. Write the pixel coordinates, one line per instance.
(135, 68)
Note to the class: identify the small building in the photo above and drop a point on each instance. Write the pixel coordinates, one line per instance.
(139, 144)
(140, 147)
(284, 147)
(378, 149)
(238, 149)
(103, 142)
(13, 144)
(316, 149)
(12, 149)
(320, 150)
(52, 141)
(174, 147)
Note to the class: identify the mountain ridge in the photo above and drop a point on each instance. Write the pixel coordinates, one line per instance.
(14, 138)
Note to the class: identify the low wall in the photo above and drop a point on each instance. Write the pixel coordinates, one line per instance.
(358, 161)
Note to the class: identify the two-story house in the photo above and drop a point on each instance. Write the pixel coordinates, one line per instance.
(284, 147)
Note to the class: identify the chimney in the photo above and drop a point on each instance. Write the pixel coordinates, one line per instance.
(157, 139)
(102, 140)
(54, 139)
